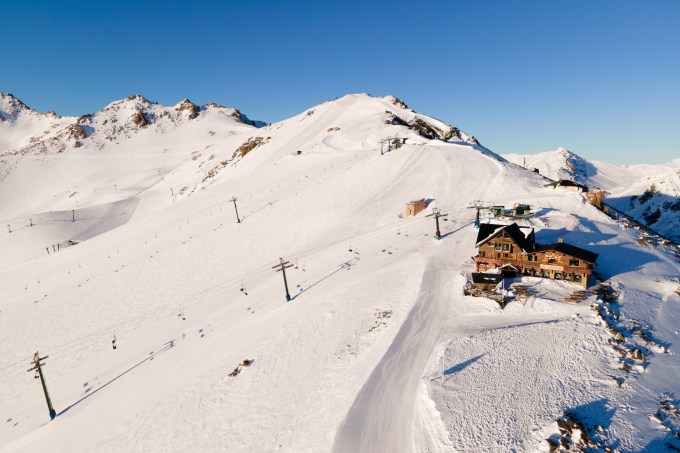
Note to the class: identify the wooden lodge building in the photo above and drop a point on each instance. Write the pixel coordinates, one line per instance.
(511, 247)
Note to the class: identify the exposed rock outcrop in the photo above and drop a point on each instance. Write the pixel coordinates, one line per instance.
(139, 119)
(249, 145)
(75, 131)
(187, 105)
(429, 130)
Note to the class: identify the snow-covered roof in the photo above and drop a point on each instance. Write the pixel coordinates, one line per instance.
(487, 231)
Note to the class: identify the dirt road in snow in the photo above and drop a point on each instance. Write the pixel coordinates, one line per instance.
(381, 418)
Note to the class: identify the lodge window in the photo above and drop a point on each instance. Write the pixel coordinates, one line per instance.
(546, 273)
(558, 276)
(577, 278)
(552, 261)
(574, 263)
(527, 271)
(505, 255)
(532, 258)
(506, 247)
(567, 276)
(497, 247)
(482, 254)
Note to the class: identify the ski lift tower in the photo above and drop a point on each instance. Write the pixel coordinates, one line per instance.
(479, 206)
(391, 142)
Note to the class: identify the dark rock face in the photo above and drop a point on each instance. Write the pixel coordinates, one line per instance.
(427, 130)
(394, 119)
(651, 216)
(87, 118)
(399, 103)
(213, 105)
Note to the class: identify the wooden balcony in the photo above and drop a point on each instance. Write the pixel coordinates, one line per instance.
(498, 262)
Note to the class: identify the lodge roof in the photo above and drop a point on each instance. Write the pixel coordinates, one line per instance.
(490, 230)
(566, 182)
(480, 277)
(570, 250)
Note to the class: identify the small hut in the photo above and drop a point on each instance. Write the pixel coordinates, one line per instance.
(486, 281)
(414, 207)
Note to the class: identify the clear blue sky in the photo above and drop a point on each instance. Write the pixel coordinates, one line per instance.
(601, 78)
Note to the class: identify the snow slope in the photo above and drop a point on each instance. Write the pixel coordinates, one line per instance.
(366, 354)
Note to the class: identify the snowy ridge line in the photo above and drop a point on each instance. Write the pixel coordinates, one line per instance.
(195, 300)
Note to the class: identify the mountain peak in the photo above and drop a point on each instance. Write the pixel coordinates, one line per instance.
(396, 101)
(11, 106)
(137, 97)
(187, 105)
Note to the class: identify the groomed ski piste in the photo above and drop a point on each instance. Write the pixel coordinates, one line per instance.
(377, 350)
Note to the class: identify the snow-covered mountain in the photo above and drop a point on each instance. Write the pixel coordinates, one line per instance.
(654, 200)
(26, 131)
(647, 192)
(558, 164)
(131, 239)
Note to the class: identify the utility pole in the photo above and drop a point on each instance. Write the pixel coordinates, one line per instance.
(73, 215)
(233, 199)
(437, 214)
(281, 267)
(37, 366)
